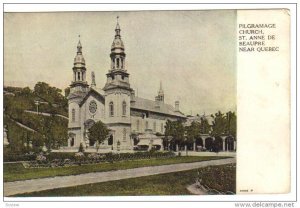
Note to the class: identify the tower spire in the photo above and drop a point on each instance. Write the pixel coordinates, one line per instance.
(79, 47)
(117, 29)
(160, 96)
(117, 75)
(117, 54)
(79, 71)
(160, 88)
(93, 84)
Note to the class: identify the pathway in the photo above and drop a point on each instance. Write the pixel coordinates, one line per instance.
(45, 114)
(18, 187)
(22, 125)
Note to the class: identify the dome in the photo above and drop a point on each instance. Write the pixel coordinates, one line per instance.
(79, 59)
(117, 43)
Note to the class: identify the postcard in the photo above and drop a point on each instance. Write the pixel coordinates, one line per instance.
(146, 103)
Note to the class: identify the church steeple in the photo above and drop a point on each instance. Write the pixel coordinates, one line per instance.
(93, 84)
(117, 50)
(117, 76)
(79, 70)
(79, 47)
(161, 95)
(118, 29)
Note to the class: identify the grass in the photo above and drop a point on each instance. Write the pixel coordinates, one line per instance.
(16, 171)
(163, 184)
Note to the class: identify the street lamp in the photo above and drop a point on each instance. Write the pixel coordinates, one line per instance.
(37, 103)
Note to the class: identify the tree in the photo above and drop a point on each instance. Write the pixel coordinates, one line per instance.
(67, 92)
(48, 132)
(219, 124)
(204, 126)
(60, 135)
(176, 130)
(26, 91)
(50, 94)
(192, 132)
(98, 132)
(231, 123)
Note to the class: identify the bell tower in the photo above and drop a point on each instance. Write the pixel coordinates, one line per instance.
(79, 83)
(117, 75)
(118, 94)
(78, 90)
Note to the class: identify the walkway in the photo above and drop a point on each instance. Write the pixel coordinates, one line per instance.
(22, 125)
(45, 114)
(18, 187)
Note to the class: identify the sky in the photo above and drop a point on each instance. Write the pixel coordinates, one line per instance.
(193, 53)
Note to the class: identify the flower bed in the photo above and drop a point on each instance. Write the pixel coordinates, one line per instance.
(79, 158)
(218, 179)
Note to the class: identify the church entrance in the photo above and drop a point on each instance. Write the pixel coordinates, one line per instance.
(87, 125)
(111, 140)
(72, 142)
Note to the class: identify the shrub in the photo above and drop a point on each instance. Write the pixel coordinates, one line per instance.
(81, 149)
(79, 155)
(57, 159)
(61, 155)
(18, 157)
(41, 158)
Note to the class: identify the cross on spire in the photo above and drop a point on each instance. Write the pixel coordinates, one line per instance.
(118, 26)
(79, 47)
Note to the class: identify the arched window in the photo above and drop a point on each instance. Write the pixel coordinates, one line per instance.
(72, 142)
(124, 108)
(124, 134)
(73, 115)
(138, 125)
(78, 76)
(154, 126)
(118, 63)
(111, 109)
(147, 125)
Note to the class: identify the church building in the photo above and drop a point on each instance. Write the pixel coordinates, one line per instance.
(132, 121)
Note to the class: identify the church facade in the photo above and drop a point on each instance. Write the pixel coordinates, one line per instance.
(132, 121)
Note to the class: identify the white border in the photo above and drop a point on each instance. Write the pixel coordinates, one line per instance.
(123, 7)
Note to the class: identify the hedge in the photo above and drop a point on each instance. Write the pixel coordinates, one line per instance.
(68, 159)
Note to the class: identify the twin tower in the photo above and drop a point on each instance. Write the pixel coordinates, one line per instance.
(111, 105)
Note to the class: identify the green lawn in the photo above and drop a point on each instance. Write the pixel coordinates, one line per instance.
(163, 184)
(15, 172)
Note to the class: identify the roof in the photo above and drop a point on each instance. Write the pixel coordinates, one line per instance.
(140, 103)
(94, 92)
(77, 94)
(150, 105)
(197, 118)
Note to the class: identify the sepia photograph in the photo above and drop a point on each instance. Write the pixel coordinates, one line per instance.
(128, 103)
